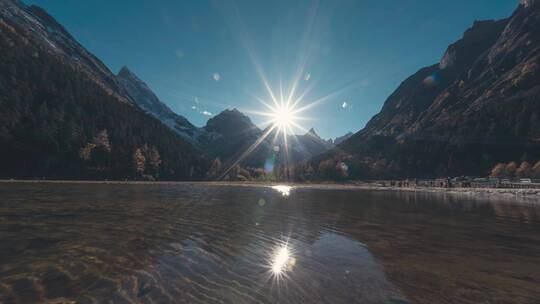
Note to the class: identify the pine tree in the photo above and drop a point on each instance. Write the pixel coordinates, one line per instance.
(524, 170)
(510, 169)
(153, 158)
(86, 152)
(215, 169)
(102, 140)
(139, 161)
(536, 170)
(498, 171)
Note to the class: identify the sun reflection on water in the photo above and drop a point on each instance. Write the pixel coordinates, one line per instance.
(282, 260)
(283, 189)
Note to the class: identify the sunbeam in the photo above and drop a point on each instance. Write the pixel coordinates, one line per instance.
(248, 151)
(284, 103)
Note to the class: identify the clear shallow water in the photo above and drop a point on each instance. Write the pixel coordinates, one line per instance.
(90, 243)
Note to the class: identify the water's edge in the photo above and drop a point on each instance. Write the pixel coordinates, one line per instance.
(518, 195)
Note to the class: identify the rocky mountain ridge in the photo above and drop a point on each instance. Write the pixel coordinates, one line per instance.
(225, 136)
(56, 40)
(233, 133)
(145, 98)
(478, 106)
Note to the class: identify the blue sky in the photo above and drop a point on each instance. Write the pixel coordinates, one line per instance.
(201, 57)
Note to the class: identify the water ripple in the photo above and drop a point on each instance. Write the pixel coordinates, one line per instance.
(218, 244)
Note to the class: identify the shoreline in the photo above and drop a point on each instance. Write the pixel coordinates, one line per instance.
(507, 193)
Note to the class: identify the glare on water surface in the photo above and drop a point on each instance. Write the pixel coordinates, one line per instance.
(281, 261)
(313, 252)
(283, 189)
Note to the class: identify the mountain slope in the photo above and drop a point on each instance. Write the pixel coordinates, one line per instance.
(477, 107)
(227, 135)
(308, 145)
(232, 133)
(143, 96)
(56, 40)
(340, 139)
(64, 115)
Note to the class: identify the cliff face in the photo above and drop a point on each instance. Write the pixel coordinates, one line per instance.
(478, 106)
(528, 3)
(417, 94)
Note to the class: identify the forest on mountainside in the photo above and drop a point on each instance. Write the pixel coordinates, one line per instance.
(58, 123)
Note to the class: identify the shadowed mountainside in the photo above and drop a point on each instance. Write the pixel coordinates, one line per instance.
(233, 133)
(477, 107)
(226, 136)
(143, 96)
(64, 114)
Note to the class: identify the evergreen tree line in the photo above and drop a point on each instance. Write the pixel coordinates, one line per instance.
(56, 122)
(512, 169)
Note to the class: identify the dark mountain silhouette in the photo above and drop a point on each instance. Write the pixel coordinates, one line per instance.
(63, 114)
(480, 105)
(227, 135)
(308, 145)
(42, 28)
(231, 134)
(338, 140)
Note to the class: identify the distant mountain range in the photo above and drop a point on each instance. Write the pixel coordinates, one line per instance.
(65, 115)
(338, 140)
(478, 106)
(234, 133)
(227, 135)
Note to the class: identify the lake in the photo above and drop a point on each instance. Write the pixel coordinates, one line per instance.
(203, 243)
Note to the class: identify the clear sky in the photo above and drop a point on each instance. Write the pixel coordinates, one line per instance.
(202, 56)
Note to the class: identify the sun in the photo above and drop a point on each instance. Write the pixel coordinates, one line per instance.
(283, 118)
(283, 115)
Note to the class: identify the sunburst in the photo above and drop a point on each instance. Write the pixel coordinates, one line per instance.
(283, 110)
(283, 118)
